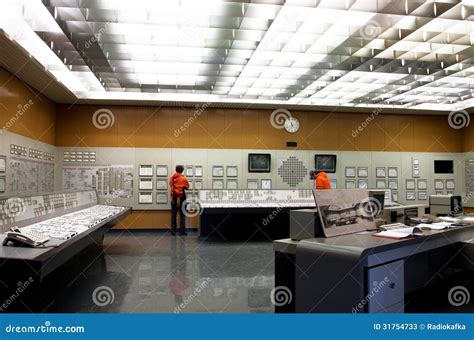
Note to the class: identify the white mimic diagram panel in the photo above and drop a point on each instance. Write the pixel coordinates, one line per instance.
(245, 198)
(109, 181)
(30, 177)
(288, 167)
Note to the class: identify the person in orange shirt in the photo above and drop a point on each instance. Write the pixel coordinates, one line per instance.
(178, 186)
(321, 180)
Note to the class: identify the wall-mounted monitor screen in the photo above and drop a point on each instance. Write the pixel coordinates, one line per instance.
(443, 167)
(259, 162)
(326, 163)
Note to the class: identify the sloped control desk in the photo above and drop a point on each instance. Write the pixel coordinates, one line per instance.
(359, 273)
(74, 221)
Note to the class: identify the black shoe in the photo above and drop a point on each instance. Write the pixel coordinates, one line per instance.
(182, 233)
(173, 232)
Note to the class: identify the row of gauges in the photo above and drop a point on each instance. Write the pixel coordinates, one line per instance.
(23, 151)
(79, 156)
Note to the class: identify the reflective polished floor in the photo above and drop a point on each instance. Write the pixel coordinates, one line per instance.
(154, 272)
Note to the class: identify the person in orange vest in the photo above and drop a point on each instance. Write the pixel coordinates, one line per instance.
(178, 186)
(321, 180)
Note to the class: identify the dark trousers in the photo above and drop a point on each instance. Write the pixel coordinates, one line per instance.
(176, 207)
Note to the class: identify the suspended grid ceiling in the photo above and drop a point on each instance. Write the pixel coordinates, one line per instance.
(397, 54)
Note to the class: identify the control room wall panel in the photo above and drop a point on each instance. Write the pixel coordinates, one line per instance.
(297, 162)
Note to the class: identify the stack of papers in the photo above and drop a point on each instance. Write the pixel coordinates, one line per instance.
(434, 226)
(406, 232)
(400, 233)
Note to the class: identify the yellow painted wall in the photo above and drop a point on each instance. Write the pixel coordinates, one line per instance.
(25, 111)
(252, 129)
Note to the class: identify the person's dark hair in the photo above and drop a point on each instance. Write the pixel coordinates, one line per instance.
(179, 168)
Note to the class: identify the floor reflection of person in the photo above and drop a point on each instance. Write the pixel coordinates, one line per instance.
(178, 281)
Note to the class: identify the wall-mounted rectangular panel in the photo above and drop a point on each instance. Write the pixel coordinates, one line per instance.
(145, 197)
(145, 170)
(145, 184)
(161, 170)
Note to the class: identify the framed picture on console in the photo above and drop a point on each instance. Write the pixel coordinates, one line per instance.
(339, 213)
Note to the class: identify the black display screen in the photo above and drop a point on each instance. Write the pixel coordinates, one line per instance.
(443, 167)
(259, 162)
(325, 163)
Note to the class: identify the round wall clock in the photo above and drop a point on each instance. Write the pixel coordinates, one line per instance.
(292, 124)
